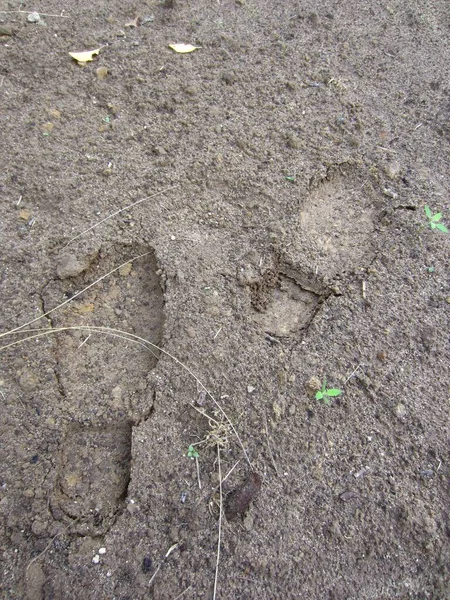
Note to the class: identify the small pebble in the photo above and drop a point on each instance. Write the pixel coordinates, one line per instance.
(96, 559)
(400, 410)
(250, 389)
(102, 550)
(34, 17)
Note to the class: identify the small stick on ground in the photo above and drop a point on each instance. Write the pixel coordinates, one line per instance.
(198, 473)
(33, 560)
(352, 373)
(168, 553)
(72, 297)
(216, 576)
(118, 213)
(182, 593)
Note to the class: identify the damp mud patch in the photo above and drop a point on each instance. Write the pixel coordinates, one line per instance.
(93, 477)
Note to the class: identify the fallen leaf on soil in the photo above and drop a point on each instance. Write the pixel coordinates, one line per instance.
(83, 57)
(85, 308)
(54, 112)
(25, 214)
(183, 48)
(102, 73)
(47, 127)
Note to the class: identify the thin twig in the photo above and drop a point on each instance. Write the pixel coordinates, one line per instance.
(182, 593)
(129, 337)
(118, 213)
(216, 576)
(33, 560)
(198, 473)
(169, 551)
(352, 373)
(73, 297)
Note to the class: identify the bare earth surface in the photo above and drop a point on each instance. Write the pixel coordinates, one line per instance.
(285, 165)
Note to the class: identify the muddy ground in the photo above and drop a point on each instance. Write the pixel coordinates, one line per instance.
(283, 169)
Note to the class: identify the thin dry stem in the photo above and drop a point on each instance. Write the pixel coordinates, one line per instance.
(118, 213)
(216, 575)
(73, 297)
(126, 336)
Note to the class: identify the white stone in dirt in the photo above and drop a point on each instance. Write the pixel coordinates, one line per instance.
(400, 410)
(96, 559)
(102, 550)
(34, 17)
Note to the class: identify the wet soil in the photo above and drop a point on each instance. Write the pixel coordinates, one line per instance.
(276, 238)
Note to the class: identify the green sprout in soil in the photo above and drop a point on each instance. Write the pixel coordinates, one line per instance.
(326, 393)
(192, 452)
(433, 220)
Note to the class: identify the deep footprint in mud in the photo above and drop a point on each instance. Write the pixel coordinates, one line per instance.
(332, 239)
(93, 477)
(104, 381)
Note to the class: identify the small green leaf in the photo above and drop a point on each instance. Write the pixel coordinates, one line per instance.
(192, 452)
(428, 211)
(430, 269)
(334, 392)
(319, 395)
(290, 178)
(442, 227)
(437, 217)
(433, 225)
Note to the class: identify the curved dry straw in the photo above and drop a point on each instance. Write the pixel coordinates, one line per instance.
(124, 335)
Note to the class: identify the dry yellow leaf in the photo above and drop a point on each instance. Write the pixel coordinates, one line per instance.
(102, 73)
(183, 48)
(25, 214)
(125, 270)
(83, 57)
(86, 308)
(54, 112)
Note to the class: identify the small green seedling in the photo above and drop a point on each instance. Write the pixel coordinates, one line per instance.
(433, 220)
(192, 452)
(290, 178)
(325, 394)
